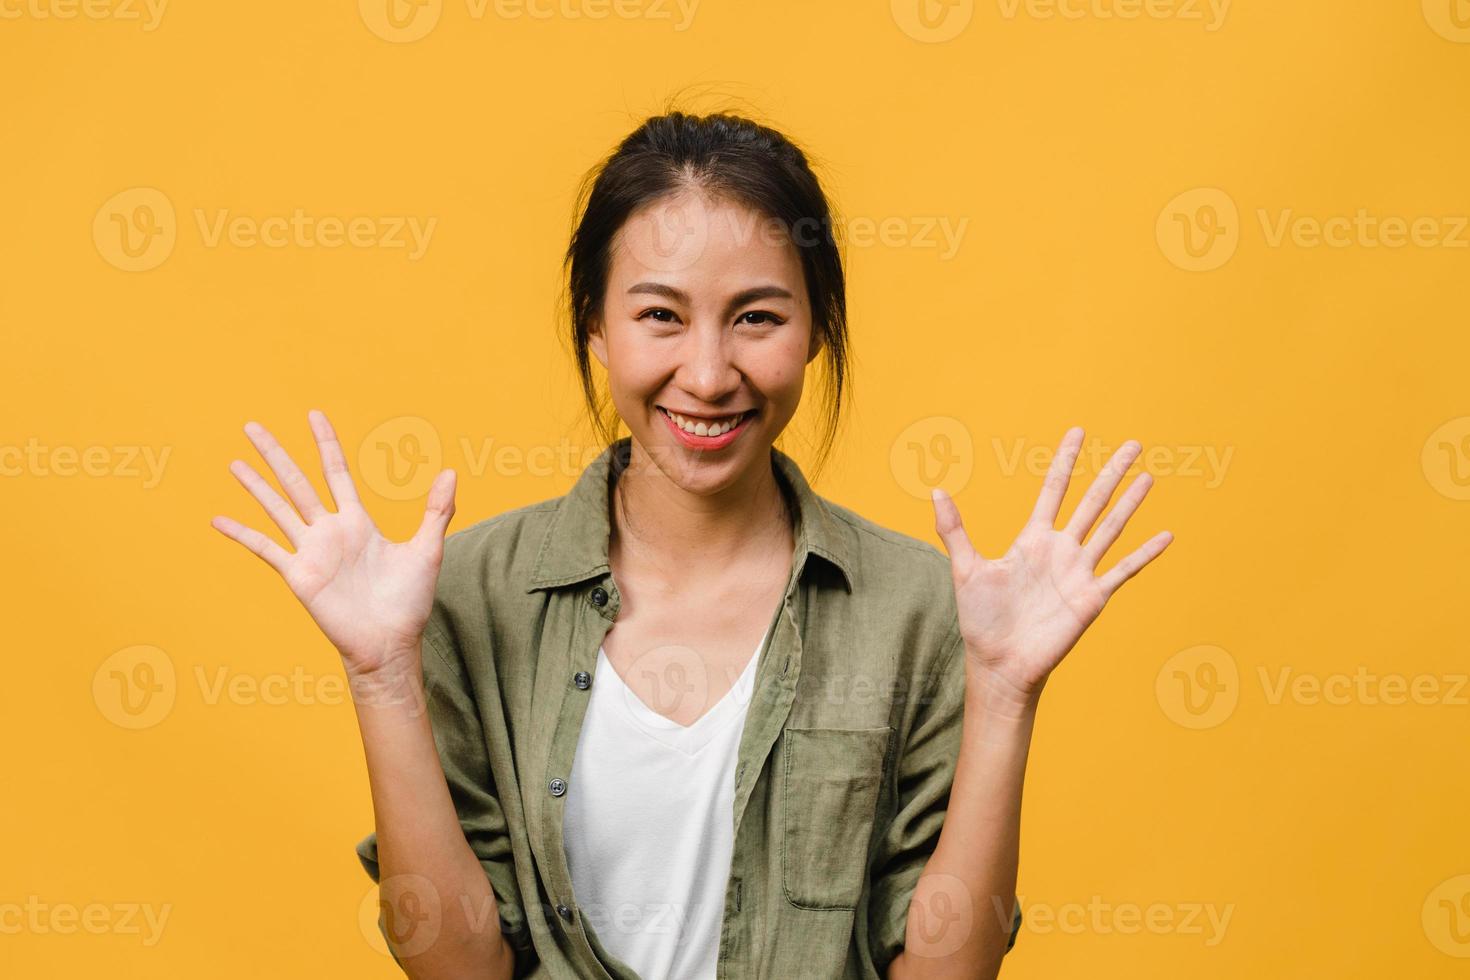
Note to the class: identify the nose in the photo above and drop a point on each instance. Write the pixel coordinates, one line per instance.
(707, 368)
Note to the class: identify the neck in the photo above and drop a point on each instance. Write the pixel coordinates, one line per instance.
(683, 537)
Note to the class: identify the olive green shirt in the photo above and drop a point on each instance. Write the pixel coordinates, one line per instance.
(845, 760)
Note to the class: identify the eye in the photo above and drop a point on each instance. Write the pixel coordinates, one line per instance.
(660, 314)
(762, 316)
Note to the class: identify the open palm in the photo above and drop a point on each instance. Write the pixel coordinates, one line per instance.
(1021, 613)
(370, 596)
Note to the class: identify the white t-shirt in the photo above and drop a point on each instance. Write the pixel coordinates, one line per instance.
(649, 825)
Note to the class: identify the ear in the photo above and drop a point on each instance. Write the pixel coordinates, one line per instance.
(597, 340)
(815, 347)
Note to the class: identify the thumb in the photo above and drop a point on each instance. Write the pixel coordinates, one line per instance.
(951, 530)
(438, 511)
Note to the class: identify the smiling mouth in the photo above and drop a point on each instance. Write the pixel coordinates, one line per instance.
(706, 427)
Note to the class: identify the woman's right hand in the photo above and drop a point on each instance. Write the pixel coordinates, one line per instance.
(370, 596)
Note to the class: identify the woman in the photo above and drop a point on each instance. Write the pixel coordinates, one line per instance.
(692, 719)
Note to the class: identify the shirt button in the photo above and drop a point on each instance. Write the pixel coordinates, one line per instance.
(558, 786)
(582, 679)
(599, 596)
(564, 912)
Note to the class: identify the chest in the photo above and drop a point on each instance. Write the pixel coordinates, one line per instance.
(681, 653)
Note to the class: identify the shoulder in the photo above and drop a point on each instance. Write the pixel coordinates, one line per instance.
(900, 618)
(480, 638)
(503, 545)
(485, 575)
(886, 560)
(509, 537)
(902, 596)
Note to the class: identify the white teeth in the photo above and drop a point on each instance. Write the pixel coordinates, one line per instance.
(702, 428)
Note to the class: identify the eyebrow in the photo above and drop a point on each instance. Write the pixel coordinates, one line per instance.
(738, 300)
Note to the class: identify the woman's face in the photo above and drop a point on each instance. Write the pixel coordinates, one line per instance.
(706, 317)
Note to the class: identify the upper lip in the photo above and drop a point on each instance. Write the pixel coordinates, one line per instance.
(704, 417)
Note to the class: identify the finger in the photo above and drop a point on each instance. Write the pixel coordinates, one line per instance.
(1130, 566)
(438, 511)
(951, 528)
(1112, 525)
(1101, 491)
(286, 519)
(1058, 476)
(334, 463)
(298, 488)
(271, 553)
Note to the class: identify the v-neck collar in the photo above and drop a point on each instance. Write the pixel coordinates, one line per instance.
(691, 738)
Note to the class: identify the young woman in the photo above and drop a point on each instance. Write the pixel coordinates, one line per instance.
(691, 719)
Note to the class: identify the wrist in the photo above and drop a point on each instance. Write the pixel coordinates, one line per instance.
(997, 695)
(389, 679)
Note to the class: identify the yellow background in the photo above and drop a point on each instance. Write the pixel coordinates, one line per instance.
(1329, 539)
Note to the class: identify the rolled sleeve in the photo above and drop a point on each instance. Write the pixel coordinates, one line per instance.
(459, 739)
(925, 774)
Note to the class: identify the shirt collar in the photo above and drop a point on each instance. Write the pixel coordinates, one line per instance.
(575, 545)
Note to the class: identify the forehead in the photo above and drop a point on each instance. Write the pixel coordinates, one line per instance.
(695, 239)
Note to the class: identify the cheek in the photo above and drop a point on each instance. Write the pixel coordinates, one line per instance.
(633, 366)
(784, 367)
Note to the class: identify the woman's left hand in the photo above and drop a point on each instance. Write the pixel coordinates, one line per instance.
(1021, 613)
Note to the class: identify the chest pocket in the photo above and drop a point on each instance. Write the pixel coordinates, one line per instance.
(830, 792)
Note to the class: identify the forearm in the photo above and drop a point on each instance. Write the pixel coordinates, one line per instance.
(960, 917)
(421, 845)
